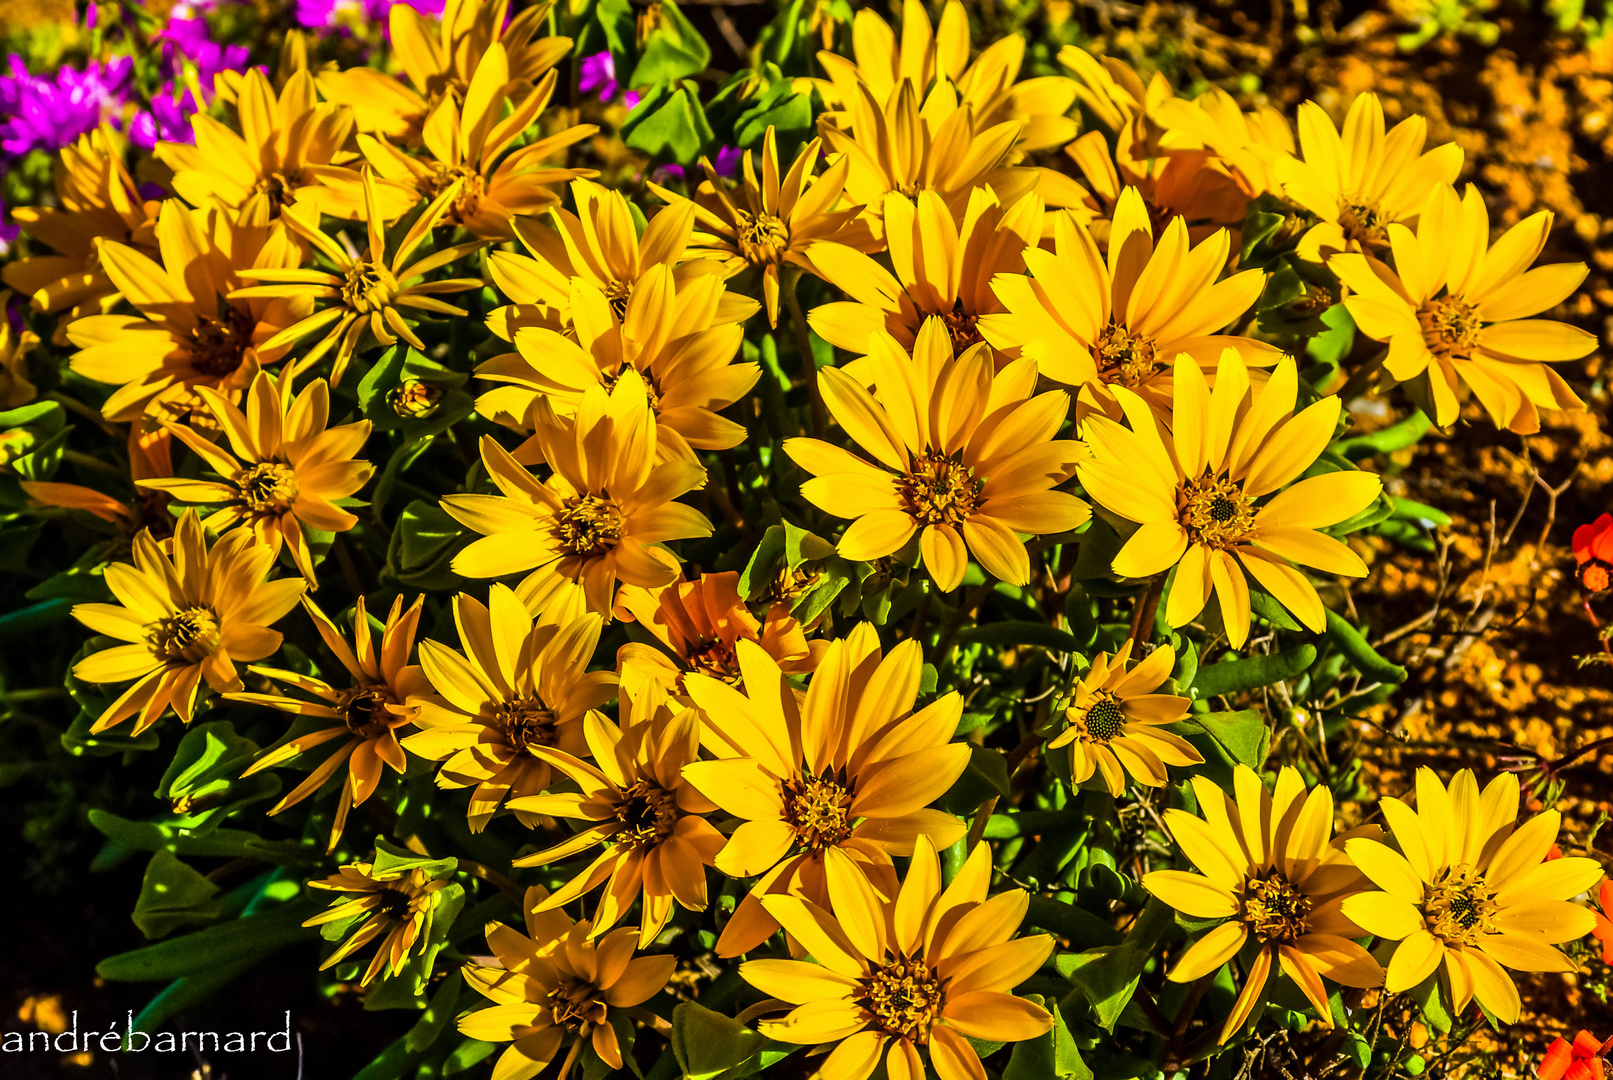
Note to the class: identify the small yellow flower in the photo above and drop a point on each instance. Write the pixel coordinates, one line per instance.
(944, 268)
(922, 967)
(440, 59)
(397, 905)
(768, 225)
(848, 768)
(600, 518)
(1361, 181)
(1115, 717)
(1457, 311)
(189, 612)
(1471, 892)
(964, 458)
(371, 291)
(287, 469)
(96, 198)
(1270, 865)
(366, 715)
(515, 687)
(468, 144)
(187, 332)
(635, 801)
(681, 338)
(556, 982)
(1197, 498)
(1119, 319)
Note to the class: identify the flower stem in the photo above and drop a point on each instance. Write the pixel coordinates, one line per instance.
(1142, 616)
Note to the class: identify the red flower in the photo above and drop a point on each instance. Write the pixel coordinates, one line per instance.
(1579, 1060)
(1604, 920)
(1593, 551)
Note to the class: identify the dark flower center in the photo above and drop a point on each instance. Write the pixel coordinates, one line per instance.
(526, 722)
(1274, 909)
(1125, 358)
(648, 813)
(818, 808)
(940, 489)
(191, 635)
(903, 998)
(588, 525)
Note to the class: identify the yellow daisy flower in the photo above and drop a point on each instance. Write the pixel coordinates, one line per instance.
(1361, 180)
(470, 144)
(1100, 321)
(516, 687)
(366, 715)
(371, 291)
(1456, 311)
(1248, 145)
(554, 983)
(96, 198)
(598, 247)
(1197, 499)
(1115, 719)
(286, 471)
(1270, 865)
(289, 153)
(187, 332)
(635, 801)
(189, 612)
(767, 226)
(847, 767)
(1471, 893)
(601, 517)
(397, 906)
(923, 967)
(943, 266)
(440, 59)
(677, 337)
(972, 451)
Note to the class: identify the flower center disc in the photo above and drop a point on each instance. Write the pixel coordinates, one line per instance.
(1595, 576)
(939, 490)
(526, 722)
(1215, 512)
(818, 809)
(191, 635)
(1274, 909)
(1363, 223)
(575, 1004)
(368, 287)
(648, 813)
(763, 238)
(217, 345)
(588, 525)
(268, 487)
(1450, 326)
(903, 998)
(1459, 905)
(395, 904)
(1103, 719)
(414, 400)
(1125, 358)
(365, 711)
(962, 326)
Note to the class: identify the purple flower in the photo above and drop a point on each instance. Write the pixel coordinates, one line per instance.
(727, 164)
(326, 13)
(169, 118)
(49, 113)
(8, 230)
(598, 74)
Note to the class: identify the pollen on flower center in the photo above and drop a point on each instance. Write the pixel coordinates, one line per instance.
(368, 287)
(648, 813)
(818, 809)
(1450, 326)
(763, 238)
(1274, 909)
(576, 1004)
(588, 525)
(939, 490)
(962, 326)
(617, 294)
(526, 722)
(1102, 720)
(903, 998)
(1595, 576)
(268, 487)
(395, 904)
(191, 634)
(1459, 906)
(1215, 512)
(1125, 358)
(717, 659)
(1363, 223)
(218, 345)
(365, 711)
(278, 187)
(470, 193)
(413, 399)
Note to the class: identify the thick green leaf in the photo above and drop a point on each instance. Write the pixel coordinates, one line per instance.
(1230, 676)
(173, 894)
(1106, 979)
(1001, 634)
(251, 937)
(708, 1044)
(669, 125)
(1053, 1056)
(673, 50)
(1243, 735)
(1360, 652)
(179, 837)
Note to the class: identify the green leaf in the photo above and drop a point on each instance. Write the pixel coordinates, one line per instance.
(708, 1044)
(1360, 652)
(1388, 440)
(423, 547)
(1266, 607)
(673, 50)
(467, 1054)
(410, 393)
(1230, 676)
(1002, 634)
(435, 1020)
(204, 780)
(172, 895)
(1077, 924)
(254, 937)
(178, 837)
(1243, 735)
(1053, 1056)
(1107, 978)
(781, 108)
(669, 125)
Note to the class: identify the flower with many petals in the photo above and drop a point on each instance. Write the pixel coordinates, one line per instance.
(849, 768)
(1115, 718)
(395, 898)
(516, 687)
(1470, 891)
(1582, 1059)
(924, 967)
(554, 983)
(189, 612)
(965, 458)
(1269, 865)
(1198, 492)
(1457, 310)
(1593, 555)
